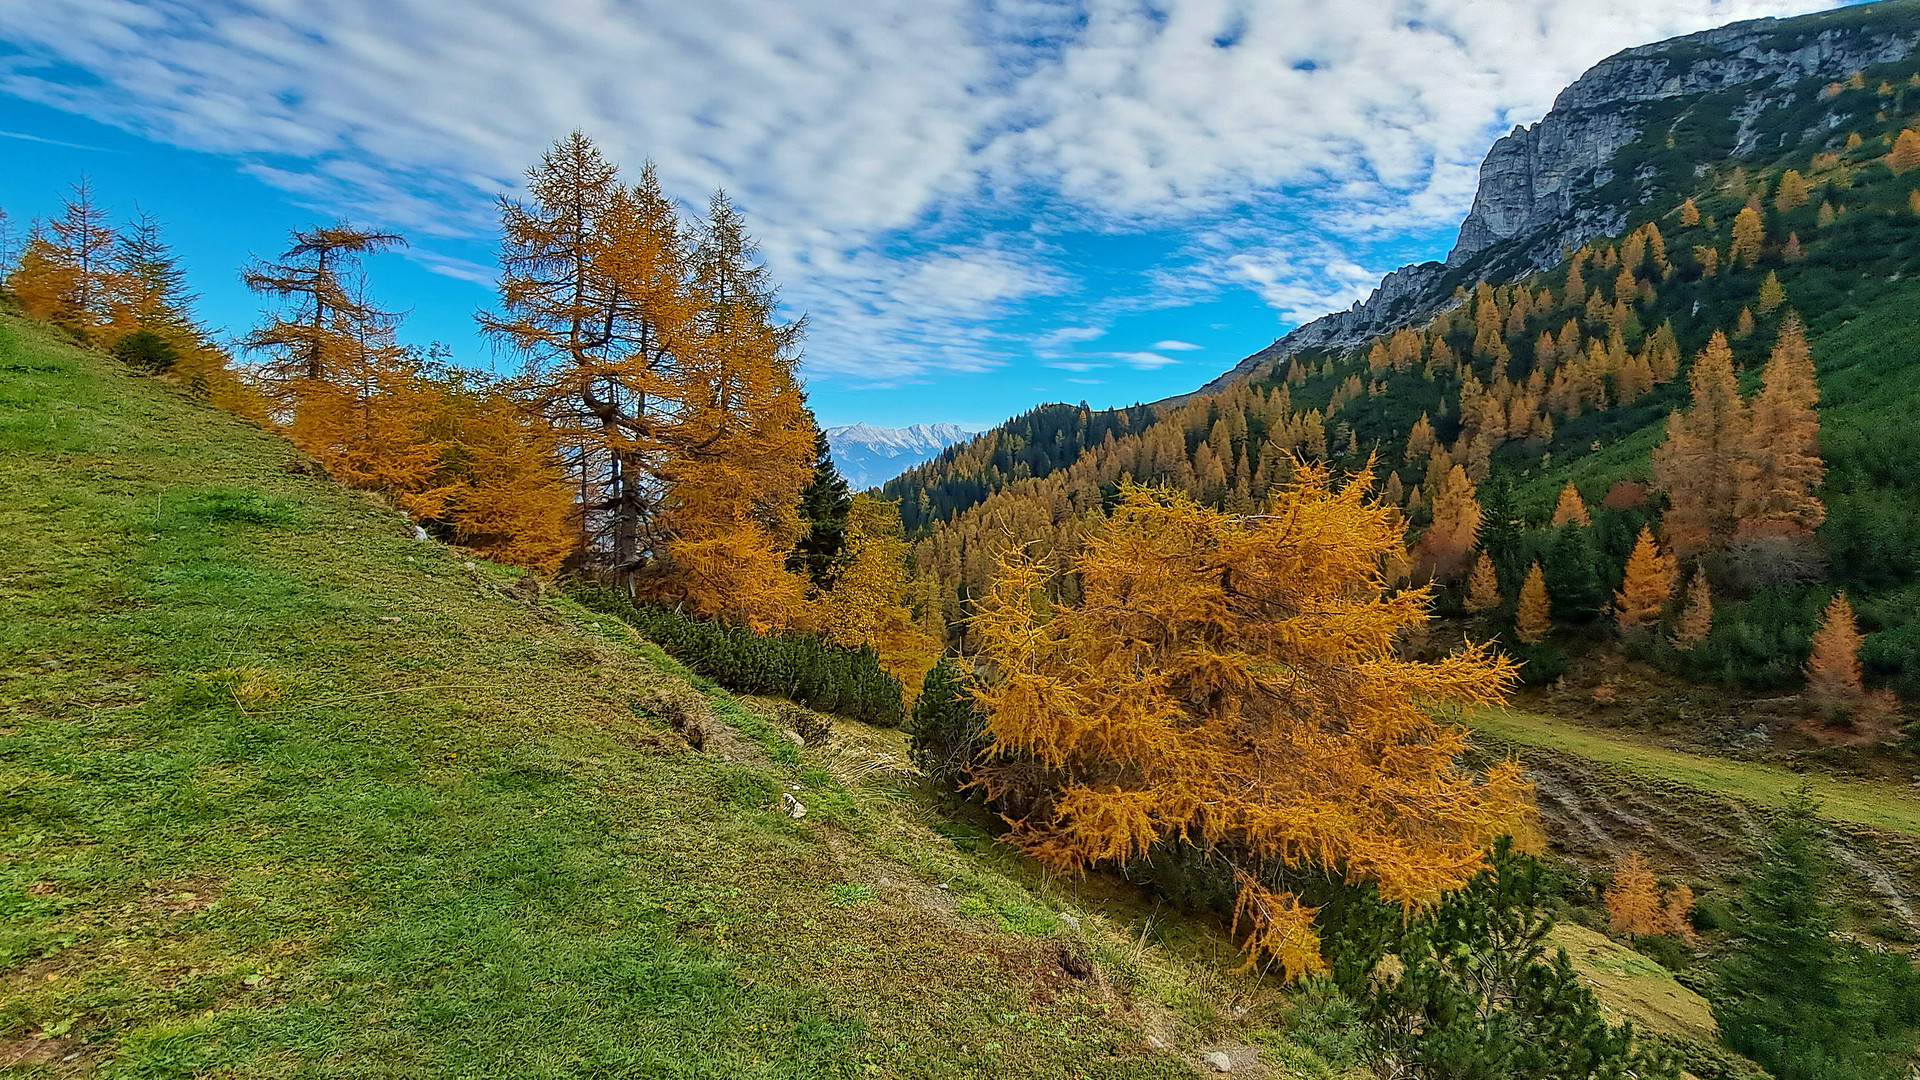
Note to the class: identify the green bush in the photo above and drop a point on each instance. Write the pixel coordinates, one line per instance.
(144, 350)
(800, 667)
(948, 731)
(1478, 994)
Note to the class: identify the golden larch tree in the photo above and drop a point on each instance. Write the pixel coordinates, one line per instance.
(741, 446)
(1698, 464)
(1448, 542)
(1781, 466)
(871, 599)
(1483, 585)
(1748, 233)
(1570, 508)
(1696, 614)
(1231, 684)
(1772, 295)
(1647, 586)
(1833, 663)
(1689, 213)
(1533, 621)
(1792, 193)
(1905, 153)
(1633, 898)
(1676, 913)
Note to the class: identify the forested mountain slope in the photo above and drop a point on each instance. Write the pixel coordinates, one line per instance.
(1736, 183)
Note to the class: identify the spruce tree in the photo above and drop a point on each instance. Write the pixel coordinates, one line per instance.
(823, 506)
(948, 731)
(1802, 1002)
(1503, 532)
(1573, 575)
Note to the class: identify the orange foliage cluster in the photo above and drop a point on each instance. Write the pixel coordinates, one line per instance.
(1736, 473)
(1231, 683)
(1635, 906)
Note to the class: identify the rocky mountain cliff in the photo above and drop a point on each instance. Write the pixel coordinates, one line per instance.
(869, 456)
(1556, 183)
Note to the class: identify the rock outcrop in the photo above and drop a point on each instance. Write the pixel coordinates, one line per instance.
(1532, 180)
(1536, 196)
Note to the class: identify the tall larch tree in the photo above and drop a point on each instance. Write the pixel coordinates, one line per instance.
(1231, 684)
(331, 329)
(1647, 586)
(1483, 586)
(1689, 214)
(1833, 663)
(571, 260)
(1633, 898)
(1782, 467)
(743, 440)
(1698, 465)
(1570, 508)
(1748, 234)
(336, 380)
(1696, 614)
(1533, 619)
(1445, 548)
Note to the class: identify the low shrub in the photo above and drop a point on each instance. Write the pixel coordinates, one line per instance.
(800, 667)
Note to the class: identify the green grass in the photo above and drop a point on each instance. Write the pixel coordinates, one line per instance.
(1876, 806)
(285, 793)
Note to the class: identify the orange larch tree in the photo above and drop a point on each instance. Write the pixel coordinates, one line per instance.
(1696, 614)
(1231, 684)
(1748, 233)
(1647, 587)
(1698, 465)
(1570, 508)
(1533, 620)
(741, 445)
(1792, 193)
(1444, 548)
(1781, 466)
(1905, 153)
(870, 601)
(1633, 898)
(1483, 585)
(1833, 663)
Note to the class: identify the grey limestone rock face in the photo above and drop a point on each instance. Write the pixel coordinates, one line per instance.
(1533, 177)
(1537, 181)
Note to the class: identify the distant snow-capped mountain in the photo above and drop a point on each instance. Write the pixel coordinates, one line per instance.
(870, 456)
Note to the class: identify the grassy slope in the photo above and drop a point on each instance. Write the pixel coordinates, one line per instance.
(283, 792)
(1876, 806)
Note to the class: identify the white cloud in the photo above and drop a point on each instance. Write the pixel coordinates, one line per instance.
(1174, 346)
(876, 145)
(1145, 361)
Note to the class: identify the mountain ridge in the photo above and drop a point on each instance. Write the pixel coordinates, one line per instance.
(869, 456)
(1538, 186)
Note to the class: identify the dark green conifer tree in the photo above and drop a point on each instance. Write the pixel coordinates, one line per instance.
(1795, 997)
(1572, 572)
(823, 506)
(1502, 532)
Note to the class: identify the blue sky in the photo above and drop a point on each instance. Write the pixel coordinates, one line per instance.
(981, 204)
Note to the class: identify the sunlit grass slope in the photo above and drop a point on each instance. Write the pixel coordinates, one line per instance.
(285, 793)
